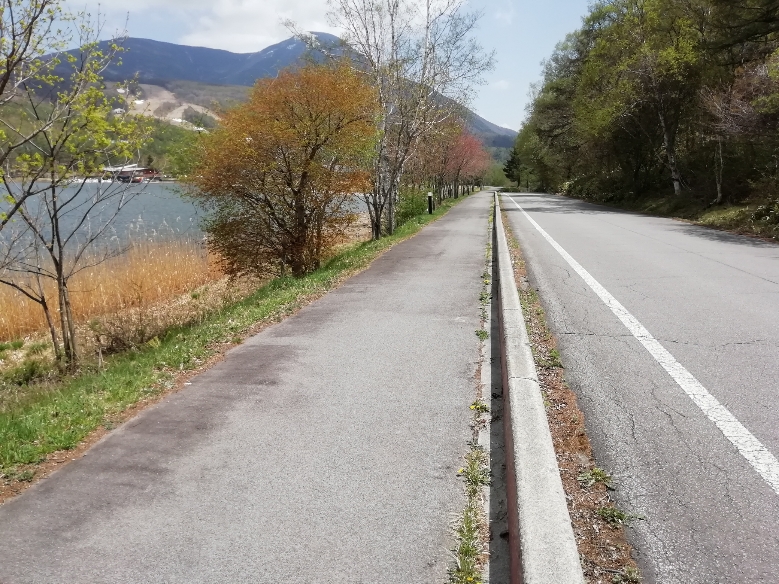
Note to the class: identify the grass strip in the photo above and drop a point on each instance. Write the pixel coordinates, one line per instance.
(472, 528)
(62, 417)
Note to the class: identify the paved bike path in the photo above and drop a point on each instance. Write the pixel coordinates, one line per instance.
(324, 449)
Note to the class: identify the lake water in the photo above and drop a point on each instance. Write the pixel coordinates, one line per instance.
(155, 211)
(158, 211)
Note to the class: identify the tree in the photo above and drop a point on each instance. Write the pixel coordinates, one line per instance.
(513, 167)
(655, 93)
(33, 35)
(466, 160)
(744, 21)
(61, 217)
(416, 54)
(281, 171)
(647, 60)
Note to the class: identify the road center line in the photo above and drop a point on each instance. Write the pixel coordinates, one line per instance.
(750, 447)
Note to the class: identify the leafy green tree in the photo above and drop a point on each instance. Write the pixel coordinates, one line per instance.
(513, 167)
(656, 93)
(34, 95)
(61, 218)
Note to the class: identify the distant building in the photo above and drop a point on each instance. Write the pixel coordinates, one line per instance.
(131, 173)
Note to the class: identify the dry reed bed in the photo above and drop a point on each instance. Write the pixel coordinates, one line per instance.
(130, 299)
(147, 274)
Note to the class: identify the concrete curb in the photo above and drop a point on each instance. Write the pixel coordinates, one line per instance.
(543, 546)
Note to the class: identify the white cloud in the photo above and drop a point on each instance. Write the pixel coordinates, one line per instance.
(233, 25)
(505, 13)
(500, 84)
(251, 25)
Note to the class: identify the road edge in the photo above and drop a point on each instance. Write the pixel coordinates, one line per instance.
(541, 538)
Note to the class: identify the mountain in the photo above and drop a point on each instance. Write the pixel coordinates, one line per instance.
(164, 64)
(155, 61)
(492, 134)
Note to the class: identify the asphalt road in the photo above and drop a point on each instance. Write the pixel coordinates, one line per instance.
(711, 300)
(324, 449)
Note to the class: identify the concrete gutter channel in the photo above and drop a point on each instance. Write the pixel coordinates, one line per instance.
(543, 548)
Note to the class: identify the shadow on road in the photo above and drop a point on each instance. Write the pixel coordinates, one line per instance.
(560, 205)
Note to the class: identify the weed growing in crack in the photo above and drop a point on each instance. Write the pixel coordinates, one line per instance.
(629, 576)
(469, 547)
(482, 334)
(594, 475)
(475, 471)
(480, 407)
(614, 516)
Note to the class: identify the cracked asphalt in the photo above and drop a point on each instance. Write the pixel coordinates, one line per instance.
(712, 300)
(324, 449)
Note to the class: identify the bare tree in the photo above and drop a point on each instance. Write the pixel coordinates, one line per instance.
(422, 59)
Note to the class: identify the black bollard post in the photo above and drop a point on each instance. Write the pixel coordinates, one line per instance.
(429, 203)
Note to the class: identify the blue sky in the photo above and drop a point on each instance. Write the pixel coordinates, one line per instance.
(522, 33)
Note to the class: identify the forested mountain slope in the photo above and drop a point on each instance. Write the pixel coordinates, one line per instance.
(200, 76)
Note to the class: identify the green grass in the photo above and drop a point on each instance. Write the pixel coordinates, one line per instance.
(614, 516)
(12, 346)
(595, 475)
(470, 548)
(62, 414)
(37, 348)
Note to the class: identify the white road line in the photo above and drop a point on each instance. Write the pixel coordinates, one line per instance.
(750, 447)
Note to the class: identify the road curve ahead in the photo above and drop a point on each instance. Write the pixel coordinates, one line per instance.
(670, 337)
(324, 449)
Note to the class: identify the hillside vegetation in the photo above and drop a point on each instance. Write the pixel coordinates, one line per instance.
(664, 106)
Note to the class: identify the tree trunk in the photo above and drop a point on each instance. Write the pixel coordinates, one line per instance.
(301, 235)
(49, 321)
(67, 343)
(374, 213)
(718, 167)
(669, 143)
(392, 199)
(71, 327)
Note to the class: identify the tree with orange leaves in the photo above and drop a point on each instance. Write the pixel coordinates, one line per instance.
(280, 172)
